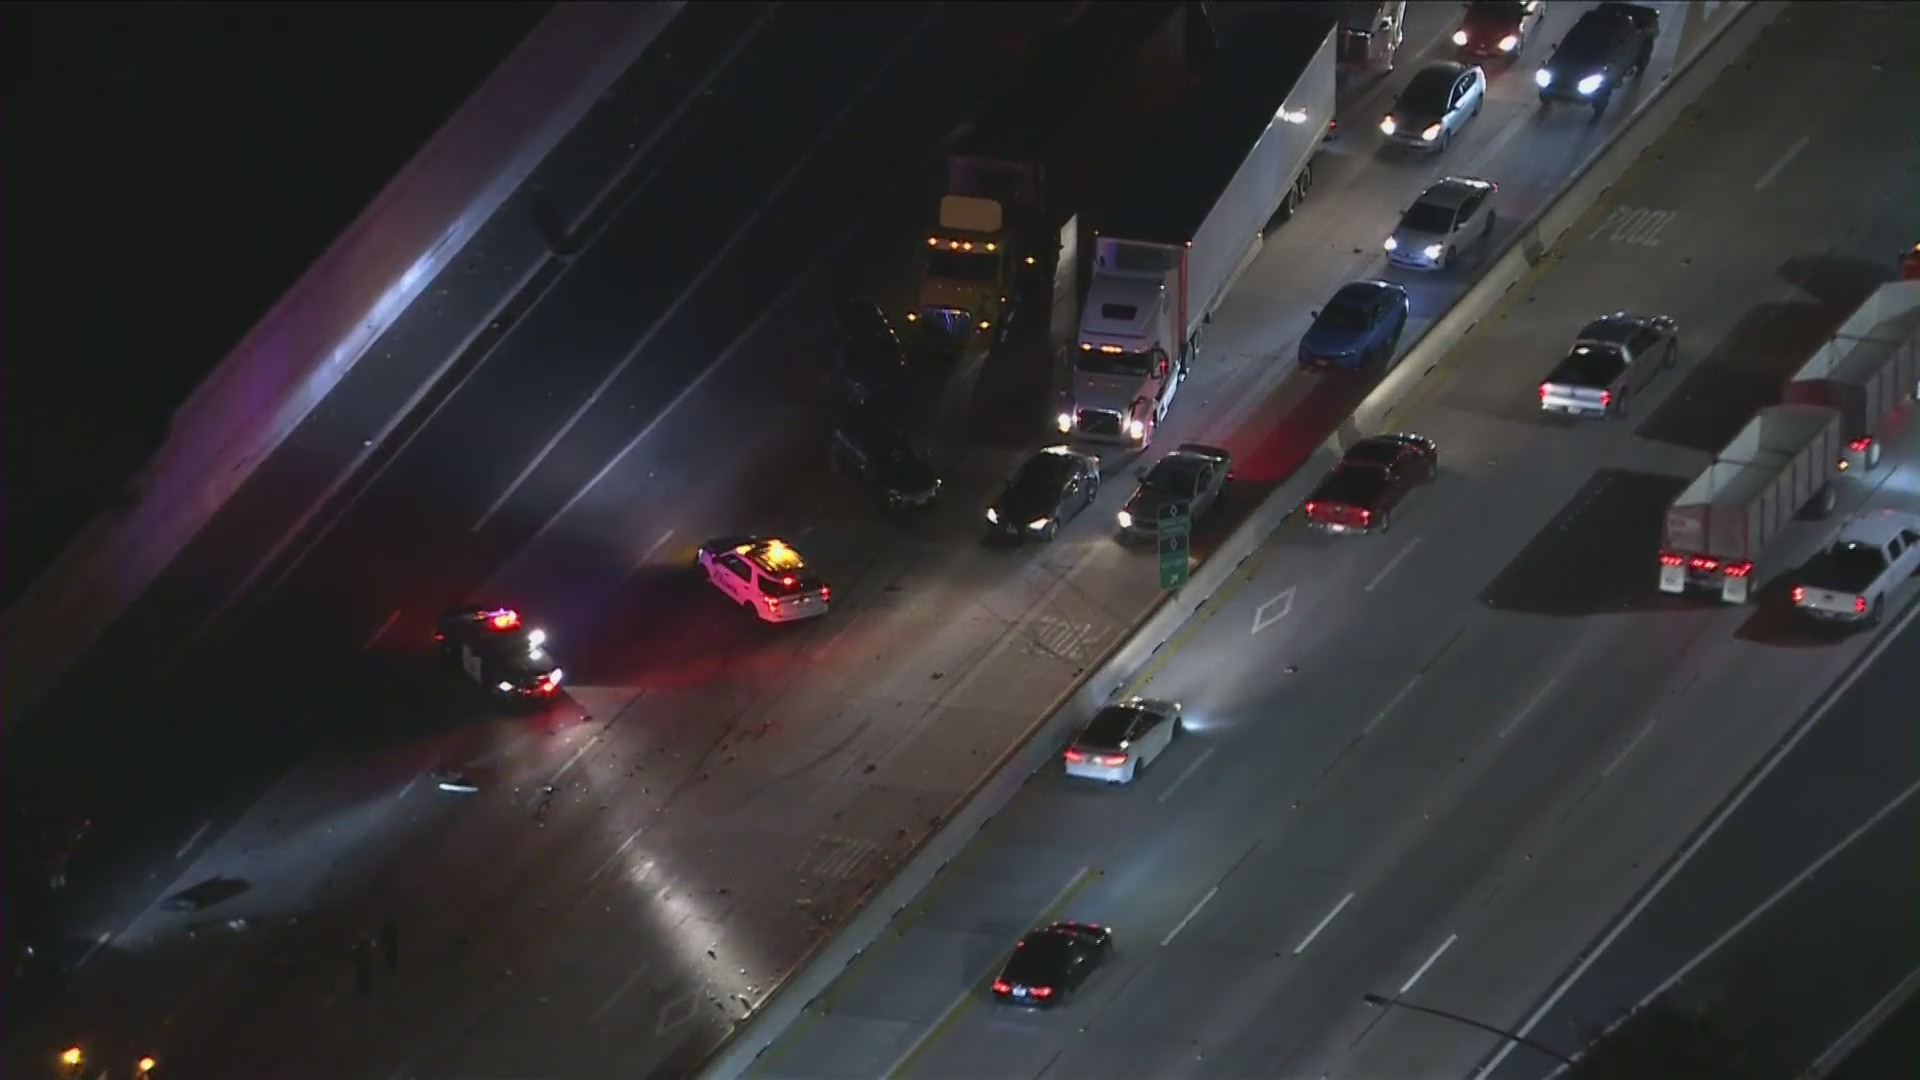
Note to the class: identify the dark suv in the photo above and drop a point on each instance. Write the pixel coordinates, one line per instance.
(1609, 45)
(864, 350)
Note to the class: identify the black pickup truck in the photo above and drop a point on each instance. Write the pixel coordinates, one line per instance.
(1609, 45)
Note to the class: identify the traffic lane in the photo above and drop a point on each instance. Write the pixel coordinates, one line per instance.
(1855, 761)
(1523, 500)
(1892, 1050)
(421, 339)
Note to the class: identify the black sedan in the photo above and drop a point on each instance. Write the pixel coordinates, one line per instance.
(1193, 476)
(881, 460)
(1052, 962)
(1361, 492)
(1049, 488)
(497, 650)
(864, 351)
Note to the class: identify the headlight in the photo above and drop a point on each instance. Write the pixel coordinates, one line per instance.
(1543, 78)
(1064, 422)
(1460, 37)
(1386, 125)
(505, 687)
(1509, 43)
(1391, 244)
(1126, 520)
(913, 316)
(554, 678)
(1136, 430)
(1038, 523)
(536, 638)
(1432, 133)
(993, 516)
(1589, 84)
(1432, 251)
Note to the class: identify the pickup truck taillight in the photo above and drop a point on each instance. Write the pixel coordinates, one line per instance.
(1543, 391)
(1859, 605)
(1606, 398)
(1799, 593)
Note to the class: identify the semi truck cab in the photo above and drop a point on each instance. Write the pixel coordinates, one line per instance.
(1124, 379)
(970, 277)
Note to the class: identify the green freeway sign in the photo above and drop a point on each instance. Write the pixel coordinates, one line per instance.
(1175, 525)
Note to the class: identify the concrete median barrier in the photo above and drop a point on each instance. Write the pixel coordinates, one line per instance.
(294, 357)
(1719, 40)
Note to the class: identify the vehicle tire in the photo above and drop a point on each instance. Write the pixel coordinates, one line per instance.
(1545, 101)
(1386, 521)
(1673, 355)
(1640, 63)
(1093, 491)
(1622, 407)
(1446, 138)
(1879, 609)
(1873, 455)
(1179, 726)
(1305, 183)
(1486, 235)
(1446, 259)
(1052, 530)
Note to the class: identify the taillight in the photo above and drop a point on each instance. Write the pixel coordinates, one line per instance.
(1606, 398)
(1799, 593)
(825, 594)
(773, 602)
(1075, 756)
(1860, 445)
(1041, 991)
(1859, 605)
(1701, 562)
(1000, 987)
(1309, 507)
(1366, 516)
(1738, 569)
(1672, 558)
(1543, 391)
(1111, 759)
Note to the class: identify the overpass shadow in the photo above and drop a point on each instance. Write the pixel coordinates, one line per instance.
(1599, 553)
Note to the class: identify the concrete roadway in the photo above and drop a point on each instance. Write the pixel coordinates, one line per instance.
(1436, 763)
(1795, 916)
(676, 780)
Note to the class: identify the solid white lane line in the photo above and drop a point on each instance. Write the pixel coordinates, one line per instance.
(652, 548)
(1175, 932)
(1391, 563)
(93, 949)
(1699, 840)
(1431, 960)
(614, 998)
(192, 840)
(374, 638)
(1532, 704)
(577, 754)
(1628, 749)
(1188, 771)
(1765, 905)
(615, 857)
(1315, 932)
(720, 256)
(1397, 699)
(1850, 1040)
(1792, 152)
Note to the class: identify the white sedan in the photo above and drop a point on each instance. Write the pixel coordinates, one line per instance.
(1122, 739)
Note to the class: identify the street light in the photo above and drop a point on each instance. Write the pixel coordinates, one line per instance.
(1387, 1003)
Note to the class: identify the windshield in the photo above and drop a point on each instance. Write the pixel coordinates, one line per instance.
(1426, 95)
(1496, 11)
(967, 266)
(1136, 364)
(1426, 217)
(1342, 316)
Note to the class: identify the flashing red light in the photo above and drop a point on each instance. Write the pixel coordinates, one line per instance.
(1606, 398)
(1861, 444)
(1799, 593)
(1859, 605)
(772, 602)
(504, 619)
(1000, 987)
(1672, 558)
(1738, 569)
(1075, 756)
(1041, 991)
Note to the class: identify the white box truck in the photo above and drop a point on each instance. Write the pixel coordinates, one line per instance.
(1782, 463)
(1235, 157)
(1866, 371)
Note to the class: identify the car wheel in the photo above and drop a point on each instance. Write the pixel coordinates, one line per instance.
(1446, 258)
(1093, 490)
(1052, 530)
(1433, 470)
(1673, 355)
(1486, 234)
(1622, 407)
(1446, 137)
(1179, 726)
(1386, 520)
(1873, 455)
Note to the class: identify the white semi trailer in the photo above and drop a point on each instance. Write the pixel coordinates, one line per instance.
(1234, 158)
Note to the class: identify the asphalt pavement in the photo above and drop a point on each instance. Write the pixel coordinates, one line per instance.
(1794, 917)
(742, 787)
(1435, 764)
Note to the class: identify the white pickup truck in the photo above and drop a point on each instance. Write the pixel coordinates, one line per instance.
(1850, 580)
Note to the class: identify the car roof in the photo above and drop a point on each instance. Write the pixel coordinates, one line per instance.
(1434, 78)
(1364, 292)
(1452, 192)
(1876, 527)
(1615, 328)
(772, 556)
(1376, 448)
